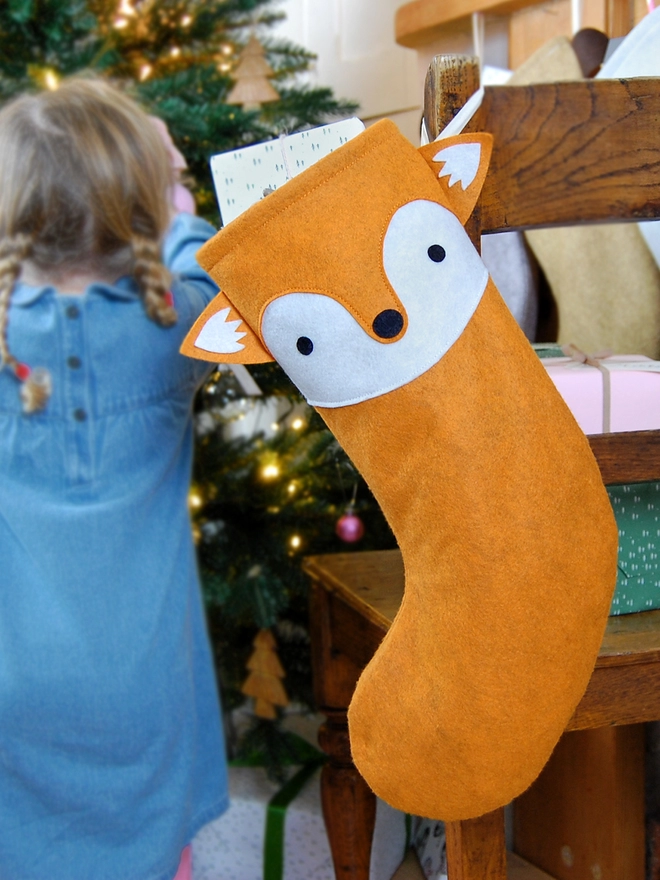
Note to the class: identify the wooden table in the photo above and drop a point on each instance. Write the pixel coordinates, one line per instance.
(593, 825)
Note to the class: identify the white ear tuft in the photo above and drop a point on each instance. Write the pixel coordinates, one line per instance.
(220, 335)
(461, 163)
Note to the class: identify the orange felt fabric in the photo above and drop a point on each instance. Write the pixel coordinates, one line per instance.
(323, 231)
(510, 552)
(508, 538)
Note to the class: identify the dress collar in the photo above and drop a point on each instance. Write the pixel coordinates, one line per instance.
(124, 289)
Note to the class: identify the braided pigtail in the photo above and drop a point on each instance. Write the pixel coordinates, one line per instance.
(153, 280)
(36, 383)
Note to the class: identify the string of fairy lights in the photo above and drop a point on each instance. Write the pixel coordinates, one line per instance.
(270, 469)
(139, 16)
(134, 21)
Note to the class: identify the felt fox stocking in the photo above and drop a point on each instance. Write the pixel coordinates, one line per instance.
(359, 278)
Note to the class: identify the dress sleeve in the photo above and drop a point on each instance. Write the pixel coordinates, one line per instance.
(192, 288)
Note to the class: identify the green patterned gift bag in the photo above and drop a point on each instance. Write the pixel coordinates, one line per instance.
(637, 510)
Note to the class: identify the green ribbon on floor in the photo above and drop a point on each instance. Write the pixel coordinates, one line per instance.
(276, 816)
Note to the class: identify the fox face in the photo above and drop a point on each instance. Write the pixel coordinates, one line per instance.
(439, 279)
(364, 301)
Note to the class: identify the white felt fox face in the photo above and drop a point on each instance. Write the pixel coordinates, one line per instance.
(343, 343)
(438, 277)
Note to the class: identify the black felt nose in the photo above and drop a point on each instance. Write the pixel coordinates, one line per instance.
(388, 324)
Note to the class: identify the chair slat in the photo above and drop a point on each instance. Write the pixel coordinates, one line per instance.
(628, 456)
(570, 152)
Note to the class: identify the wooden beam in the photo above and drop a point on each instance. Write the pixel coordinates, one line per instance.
(475, 848)
(422, 21)
(450, 81)
(640, 450)
(557, 161)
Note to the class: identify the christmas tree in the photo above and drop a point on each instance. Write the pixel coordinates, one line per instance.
(262, 499)
(177, 57)
(260, 503)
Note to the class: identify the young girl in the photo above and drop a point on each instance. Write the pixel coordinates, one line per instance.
(111, 751)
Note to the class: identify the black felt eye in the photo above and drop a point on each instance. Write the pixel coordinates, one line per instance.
(305, 345)
(437, 253)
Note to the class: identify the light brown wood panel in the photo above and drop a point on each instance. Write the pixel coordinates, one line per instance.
(519, 869)
(614, 17)
(421, 22)
(531, 27)
(620, 17)
(583, 819)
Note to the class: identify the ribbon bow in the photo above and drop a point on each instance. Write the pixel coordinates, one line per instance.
(595, 360)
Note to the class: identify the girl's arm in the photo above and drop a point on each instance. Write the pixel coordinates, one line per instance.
(192, 288)
(186, 235)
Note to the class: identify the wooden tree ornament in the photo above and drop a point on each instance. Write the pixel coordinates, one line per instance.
(251, 77)
(264, 681)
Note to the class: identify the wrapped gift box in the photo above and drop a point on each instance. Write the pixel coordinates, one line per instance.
(633, 396)
(232, 847)
(637, 511)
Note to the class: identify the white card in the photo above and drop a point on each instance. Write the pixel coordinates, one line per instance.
(241, 176)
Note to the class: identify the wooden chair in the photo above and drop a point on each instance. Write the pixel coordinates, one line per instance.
(566, 153)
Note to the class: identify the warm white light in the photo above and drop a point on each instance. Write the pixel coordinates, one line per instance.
(274, 426)
(186, 20)
(119, 23)
(295, 541)
(297, 424)
(224, 67)
(145, 70)
(226, 48)
(270, 471)
(194, 500)
(175, 51)
(291, 488)
(126, 8)
(52, 80)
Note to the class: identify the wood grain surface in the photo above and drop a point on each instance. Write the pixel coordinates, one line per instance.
(567, 153)
(450, 80)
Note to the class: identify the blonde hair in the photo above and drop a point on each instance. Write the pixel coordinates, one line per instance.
(84, 179)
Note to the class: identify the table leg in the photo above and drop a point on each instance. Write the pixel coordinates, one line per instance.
(349, 805)
(476, 848)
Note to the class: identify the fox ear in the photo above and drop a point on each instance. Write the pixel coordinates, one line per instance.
(221, 335)
(461, 163)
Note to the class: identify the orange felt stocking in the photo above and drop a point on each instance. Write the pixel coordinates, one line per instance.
(359, 278)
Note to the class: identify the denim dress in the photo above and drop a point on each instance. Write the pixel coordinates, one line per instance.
(111, 749)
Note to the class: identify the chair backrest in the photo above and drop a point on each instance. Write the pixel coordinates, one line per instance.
(563, 154)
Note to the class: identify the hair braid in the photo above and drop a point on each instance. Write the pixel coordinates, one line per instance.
(153, 280)
(13, 250)
(35, 384)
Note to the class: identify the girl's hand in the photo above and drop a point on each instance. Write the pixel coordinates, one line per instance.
(181, 199)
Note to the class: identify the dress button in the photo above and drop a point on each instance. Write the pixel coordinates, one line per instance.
(72, 312)
(74, 362)
(79, 415)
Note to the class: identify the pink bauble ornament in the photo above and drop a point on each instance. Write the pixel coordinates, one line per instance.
(349, 528)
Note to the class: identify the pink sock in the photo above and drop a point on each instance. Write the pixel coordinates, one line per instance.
(185, 866)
